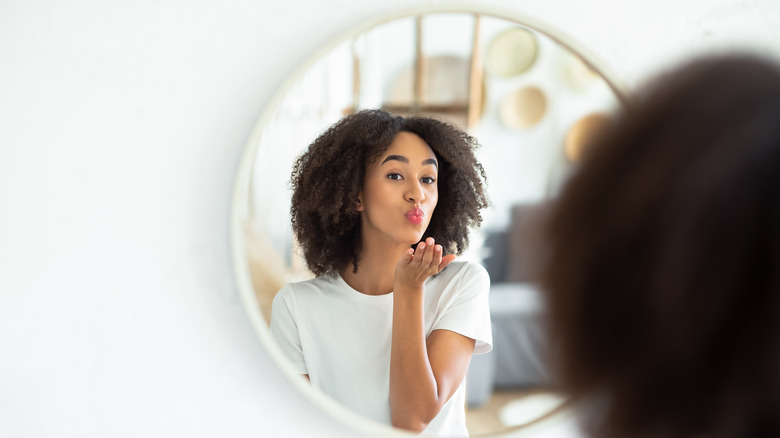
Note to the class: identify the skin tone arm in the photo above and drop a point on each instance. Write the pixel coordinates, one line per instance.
(424, 374)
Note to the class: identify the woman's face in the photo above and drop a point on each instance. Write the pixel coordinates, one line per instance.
(400, 192)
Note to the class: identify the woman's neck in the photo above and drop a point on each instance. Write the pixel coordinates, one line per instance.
(376, 269)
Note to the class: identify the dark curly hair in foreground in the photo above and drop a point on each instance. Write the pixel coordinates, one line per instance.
(328, 177)
(664, 275)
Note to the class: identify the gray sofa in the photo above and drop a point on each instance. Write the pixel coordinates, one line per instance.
(517, 361)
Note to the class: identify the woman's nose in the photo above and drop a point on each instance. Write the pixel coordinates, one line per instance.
(415, 193)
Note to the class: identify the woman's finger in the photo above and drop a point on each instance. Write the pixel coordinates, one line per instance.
(436, 256)
(429, 249)
(446, 260)
(419, 253)
(406, 258)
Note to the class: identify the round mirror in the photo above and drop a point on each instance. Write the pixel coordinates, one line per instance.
(520, 90)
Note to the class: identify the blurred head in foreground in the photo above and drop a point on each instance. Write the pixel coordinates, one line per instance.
(664, 273)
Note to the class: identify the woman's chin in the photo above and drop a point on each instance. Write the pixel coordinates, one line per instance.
(412, 237)
(416, 239)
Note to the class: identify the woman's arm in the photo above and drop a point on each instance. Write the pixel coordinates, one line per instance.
(424, 374)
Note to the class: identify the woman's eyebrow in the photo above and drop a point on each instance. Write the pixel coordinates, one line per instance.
(403, 159)
(400, 158)
(431, 161)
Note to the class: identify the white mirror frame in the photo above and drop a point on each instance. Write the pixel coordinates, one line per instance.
(239, 212)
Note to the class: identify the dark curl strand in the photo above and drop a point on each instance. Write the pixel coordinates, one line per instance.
(329, 175)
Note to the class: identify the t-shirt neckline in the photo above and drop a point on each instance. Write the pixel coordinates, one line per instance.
(360, 295)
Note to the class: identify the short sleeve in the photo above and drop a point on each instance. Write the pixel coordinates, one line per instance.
(284, 329)
(469, 311)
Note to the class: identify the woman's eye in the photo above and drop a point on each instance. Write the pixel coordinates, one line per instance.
(395, 176)
(428, 180)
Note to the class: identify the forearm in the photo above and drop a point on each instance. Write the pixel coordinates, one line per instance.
(414, 394)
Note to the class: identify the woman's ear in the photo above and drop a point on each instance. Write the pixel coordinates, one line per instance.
(359, 202)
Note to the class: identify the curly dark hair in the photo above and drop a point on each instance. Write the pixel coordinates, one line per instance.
(329, 175)
(663, 281)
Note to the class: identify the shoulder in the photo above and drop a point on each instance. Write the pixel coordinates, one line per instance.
(461, 277)
(302, 290)
(465, 270)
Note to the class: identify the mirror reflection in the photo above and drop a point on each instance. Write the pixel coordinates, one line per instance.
(531, 103)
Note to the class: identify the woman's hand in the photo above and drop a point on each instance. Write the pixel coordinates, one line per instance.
(415, 266)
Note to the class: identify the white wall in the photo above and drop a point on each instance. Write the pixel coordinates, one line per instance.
(121, 127)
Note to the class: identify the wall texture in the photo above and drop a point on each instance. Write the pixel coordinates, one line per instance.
(121, 126)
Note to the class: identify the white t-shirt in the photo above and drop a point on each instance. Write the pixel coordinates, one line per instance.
(341, 337)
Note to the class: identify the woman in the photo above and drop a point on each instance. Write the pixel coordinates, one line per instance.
(381, 205)
(664, 275)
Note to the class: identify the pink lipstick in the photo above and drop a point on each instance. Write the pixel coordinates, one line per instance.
(415, 216)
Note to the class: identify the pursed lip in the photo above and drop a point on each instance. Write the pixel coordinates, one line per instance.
(415, 215)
